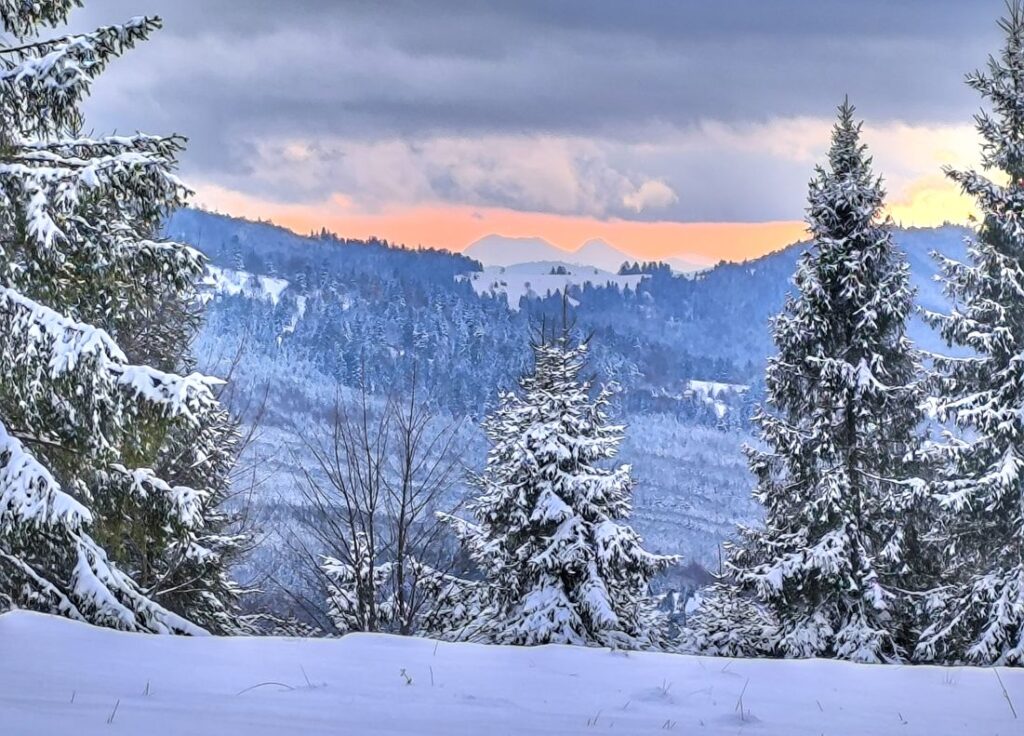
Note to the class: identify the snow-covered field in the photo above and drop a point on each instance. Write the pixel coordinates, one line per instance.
(59, 677)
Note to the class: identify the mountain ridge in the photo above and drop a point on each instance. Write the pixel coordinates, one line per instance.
(501, 250)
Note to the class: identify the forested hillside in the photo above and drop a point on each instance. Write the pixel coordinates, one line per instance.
(351, 302)
(290, 317)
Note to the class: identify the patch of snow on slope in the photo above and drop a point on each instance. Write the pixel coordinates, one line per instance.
(300, 312)
(537, 279)
(228, 281)
(710, 391)
(62, 677)
(715, 388)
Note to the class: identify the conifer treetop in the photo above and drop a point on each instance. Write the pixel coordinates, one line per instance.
(841, 415)
(25, 18)
(44, 82)
(1002, 85)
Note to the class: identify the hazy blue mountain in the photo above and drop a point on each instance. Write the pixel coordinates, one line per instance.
(499, 250)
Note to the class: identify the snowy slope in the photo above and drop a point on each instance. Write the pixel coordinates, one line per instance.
(713, 389)
(710, 391)
(59, 677)
(254, 286)
(536, 279)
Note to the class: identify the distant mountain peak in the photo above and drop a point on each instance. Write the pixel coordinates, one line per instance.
(598, 244)
(597, 252)
(502, 250)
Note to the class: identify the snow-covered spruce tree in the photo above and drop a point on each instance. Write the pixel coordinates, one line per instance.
(836, 479)
(362, 596)
(356, 588)
(81, 426)
(187, 570)
(183, 568)
(560, 564)
(451, 603)
(726, 624)
(978, 615)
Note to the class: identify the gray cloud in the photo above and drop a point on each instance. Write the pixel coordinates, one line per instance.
(232, 73)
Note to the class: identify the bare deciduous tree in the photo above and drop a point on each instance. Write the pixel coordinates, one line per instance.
(371, 540)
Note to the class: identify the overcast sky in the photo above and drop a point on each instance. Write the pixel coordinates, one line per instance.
(436, 122)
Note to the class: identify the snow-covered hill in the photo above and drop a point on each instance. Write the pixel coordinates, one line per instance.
(538, 278)
(61, 677)
(229, 281)
(711, 392)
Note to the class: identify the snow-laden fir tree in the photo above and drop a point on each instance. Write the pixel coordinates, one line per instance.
(357, 588)
(362, 595)
(183, 568)
(186, 567)
(451, 603)
(727, 624)
(82, 427)
(836, 478)
(561, 565)
(978, 613)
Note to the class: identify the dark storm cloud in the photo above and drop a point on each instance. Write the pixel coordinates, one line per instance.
(230, 72)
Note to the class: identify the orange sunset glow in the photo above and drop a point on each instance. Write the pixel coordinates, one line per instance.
(453, 227)
(388, 205)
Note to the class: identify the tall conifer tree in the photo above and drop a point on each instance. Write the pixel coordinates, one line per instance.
(978, 612)
(561, 566)
(840, 428)
(83, 428)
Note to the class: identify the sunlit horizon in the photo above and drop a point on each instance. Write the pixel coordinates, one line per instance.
(384, 190)
(455, 228)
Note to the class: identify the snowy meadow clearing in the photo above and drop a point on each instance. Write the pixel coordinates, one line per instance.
(63, 677)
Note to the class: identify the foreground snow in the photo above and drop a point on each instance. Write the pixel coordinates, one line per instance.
(59, 677)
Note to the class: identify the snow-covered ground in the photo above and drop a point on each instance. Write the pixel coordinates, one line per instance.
(59, 677)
